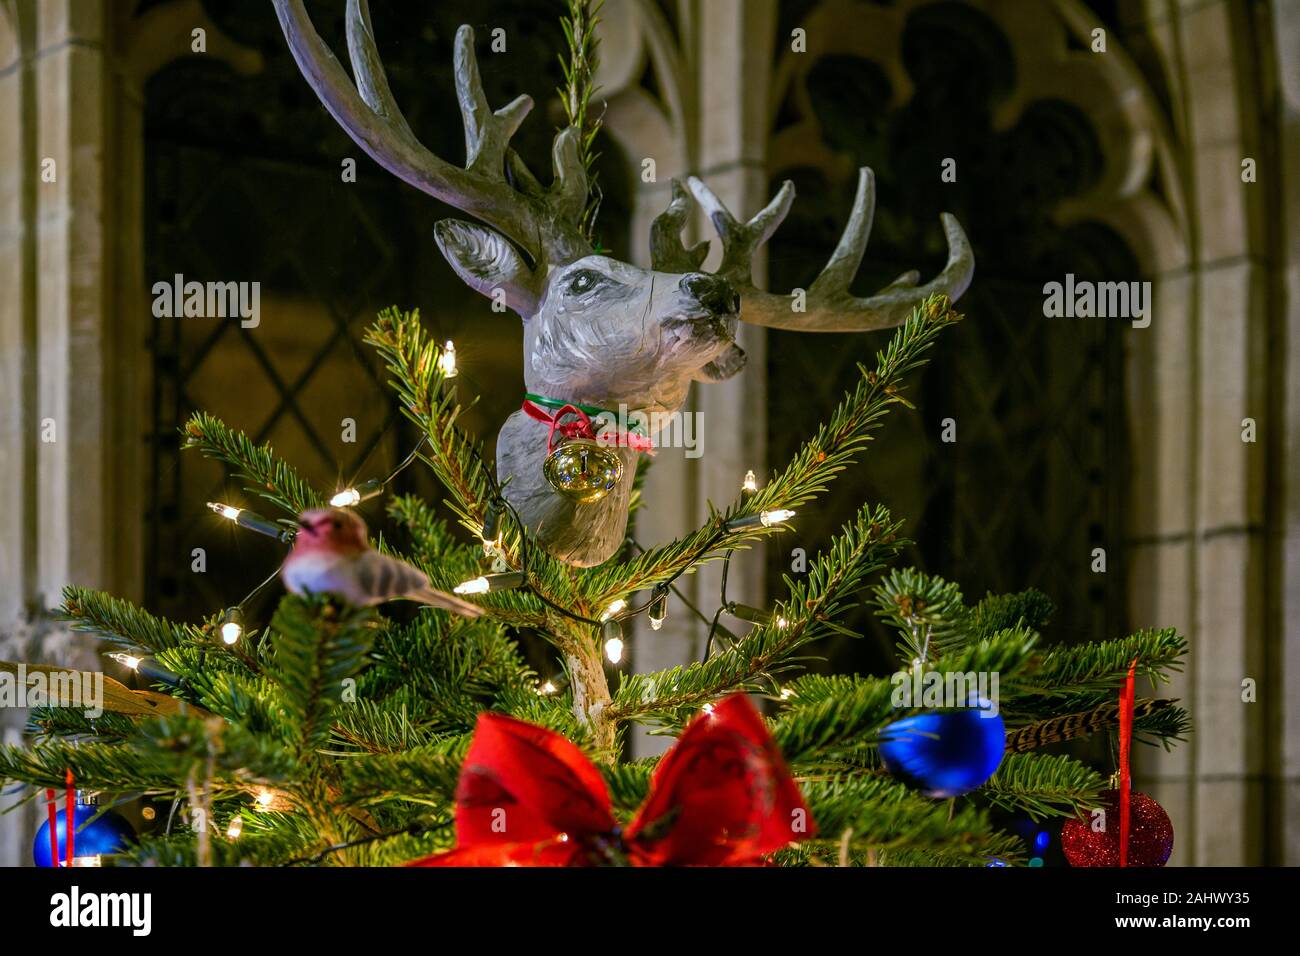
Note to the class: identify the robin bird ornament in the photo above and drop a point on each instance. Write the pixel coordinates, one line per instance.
(332, 555)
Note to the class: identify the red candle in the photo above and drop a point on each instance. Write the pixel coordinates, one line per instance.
(69, 837)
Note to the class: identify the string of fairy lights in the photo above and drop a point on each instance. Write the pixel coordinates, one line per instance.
(611, 622)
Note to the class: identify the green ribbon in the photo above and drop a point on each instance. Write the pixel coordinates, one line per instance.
(636, 424)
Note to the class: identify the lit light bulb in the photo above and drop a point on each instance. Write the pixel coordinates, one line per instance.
(265, 798)
(782, 623)
(615, 607)
(251, 520)
(614, 650)
(126, 660)
(147, 668)
(358, 493)
(750, 484)
(547, 688)
(612, 632)
(490, 582)
(786, 693)
(232, 626)
(235, 829)
(764, 518)
(447, 361)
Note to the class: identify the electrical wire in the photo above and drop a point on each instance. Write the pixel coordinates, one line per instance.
(724, 604)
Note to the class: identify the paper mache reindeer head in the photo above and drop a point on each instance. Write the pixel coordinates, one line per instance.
(599, 334)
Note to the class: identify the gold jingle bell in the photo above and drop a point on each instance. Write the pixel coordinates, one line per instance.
(582, 469)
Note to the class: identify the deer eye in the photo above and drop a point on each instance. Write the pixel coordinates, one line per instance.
(584, 280)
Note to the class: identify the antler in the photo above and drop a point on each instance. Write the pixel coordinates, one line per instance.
(829, 306)
(667, 253)
(544, 221)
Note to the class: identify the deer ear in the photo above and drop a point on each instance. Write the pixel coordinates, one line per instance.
(488, 263)
(731, 361)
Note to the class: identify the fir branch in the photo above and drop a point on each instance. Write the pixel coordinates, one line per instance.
(448, 562)
(552, 711)
(1104, 665)
(996, 612)
(381, 849)
(49, 723)
(881, 813)
(821, 729)
(394, 723)
(426, 775)
(248, 700)
(808, 613)
(1042, 785)
(579, 69)
(121, 622)
(272, 479)
(156, 760)
(926, 610)
(316, 649)
(268, 839)
(629, 783)
(453, 666)
(414, 360)
(1004, 849)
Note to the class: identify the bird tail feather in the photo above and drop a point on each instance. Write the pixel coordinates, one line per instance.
(447, 602)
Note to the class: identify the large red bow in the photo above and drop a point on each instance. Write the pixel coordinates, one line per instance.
(721, 797)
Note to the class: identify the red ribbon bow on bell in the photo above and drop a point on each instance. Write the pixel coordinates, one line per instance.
(581, 426)
(721, 797)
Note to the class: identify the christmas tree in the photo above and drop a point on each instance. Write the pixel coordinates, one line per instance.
(335, 735)
(342, 735)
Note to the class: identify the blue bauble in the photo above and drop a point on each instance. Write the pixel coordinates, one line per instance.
(945, 753)
(109, 834)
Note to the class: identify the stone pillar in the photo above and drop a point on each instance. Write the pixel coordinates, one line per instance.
(59, 345)
(1201, 558)
(653, 129)
(1232, 385)
(18, 174)
(721, 99)
(74, 308)
(19, 171)
(74, 342)
(1284, 770)
(735, 66)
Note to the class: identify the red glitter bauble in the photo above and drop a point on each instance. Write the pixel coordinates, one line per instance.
(1150, 834)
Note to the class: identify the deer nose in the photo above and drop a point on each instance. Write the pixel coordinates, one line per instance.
(712, 292)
